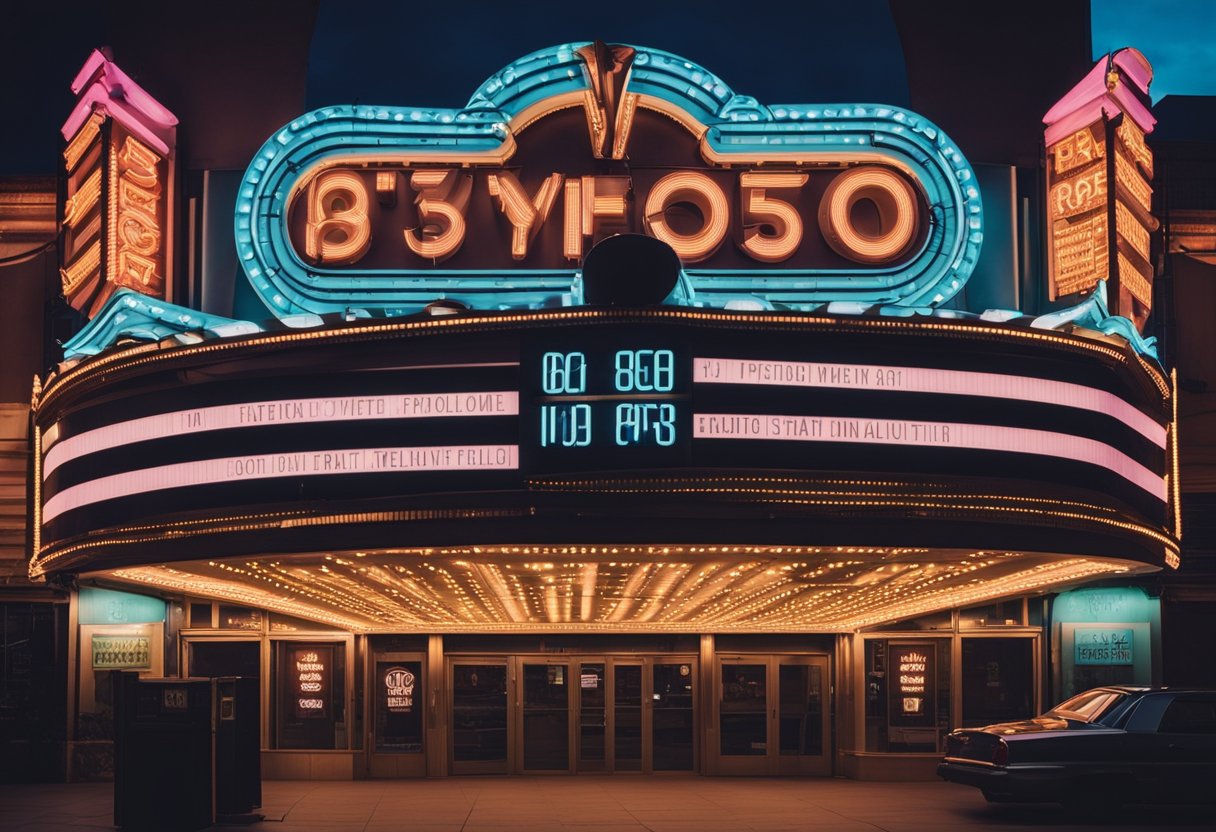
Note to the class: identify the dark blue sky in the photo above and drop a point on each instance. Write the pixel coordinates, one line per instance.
(798, 52)
(434, 55)
(1177, 36)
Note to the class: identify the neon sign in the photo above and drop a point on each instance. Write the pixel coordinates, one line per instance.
(341, 227)
(119, 179)
(662, 400)
(638, 399)
(640, 372)
(626, 402)
(399, 689)
(310, 682)
(912, 681)
(137, 223)
(1098, 176)
(495, 205)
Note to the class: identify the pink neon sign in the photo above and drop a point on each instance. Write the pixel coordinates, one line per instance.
(925, 380)
(926, 434)
(279, 412)
(101, 85)
(291, 464)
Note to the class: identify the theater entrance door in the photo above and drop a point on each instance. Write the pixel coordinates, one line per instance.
(771, 715)
(572, 714)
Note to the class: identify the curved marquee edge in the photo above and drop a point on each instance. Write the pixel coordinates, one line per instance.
(131, 315)
(571, 317)
(736, 128)
(555, 517)
(1094, 313)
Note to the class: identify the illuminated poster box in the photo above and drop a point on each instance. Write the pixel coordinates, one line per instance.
(121, 652)
(1108, 646)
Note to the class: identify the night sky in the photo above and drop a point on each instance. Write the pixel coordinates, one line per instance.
(436, 54)
(813, 51)
(1177, 36)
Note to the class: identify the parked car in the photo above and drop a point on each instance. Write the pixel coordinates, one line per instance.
(1100, 749)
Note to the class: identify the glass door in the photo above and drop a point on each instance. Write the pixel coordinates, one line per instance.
(743, 714)
(802, 728)
(998, 680)
(396, 724)
(626, 716)
(537, 714)
(546, 716)
(672, 715)
(592, 716)
(479, 723)
(772, 715)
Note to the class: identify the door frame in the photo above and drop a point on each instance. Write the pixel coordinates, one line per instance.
(608, 678)
(772, 762)
(648, 699)
(611, 663)
(572, 712)
(507, 765)
(806, 764)
(384, 763)
(513, 663)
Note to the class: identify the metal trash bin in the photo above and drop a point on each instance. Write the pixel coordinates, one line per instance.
(164, 753)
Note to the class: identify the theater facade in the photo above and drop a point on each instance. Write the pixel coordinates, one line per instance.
(615, 422)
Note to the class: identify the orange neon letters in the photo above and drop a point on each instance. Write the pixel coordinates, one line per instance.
(337, 207)
(704, 194)
(772, 226)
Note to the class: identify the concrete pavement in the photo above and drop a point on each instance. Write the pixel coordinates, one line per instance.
(619, 803)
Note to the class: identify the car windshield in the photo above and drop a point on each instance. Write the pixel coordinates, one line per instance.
(1088, 706)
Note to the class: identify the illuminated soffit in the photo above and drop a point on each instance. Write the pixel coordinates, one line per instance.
(620, 588)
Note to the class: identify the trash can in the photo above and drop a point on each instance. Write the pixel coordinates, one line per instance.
(164, 753)
(238, 748)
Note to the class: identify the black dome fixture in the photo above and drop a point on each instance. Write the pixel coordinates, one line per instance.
(629, 270)
(444, 306)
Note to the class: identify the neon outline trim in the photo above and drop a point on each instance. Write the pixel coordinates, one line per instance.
(126, 359)
(732, 129)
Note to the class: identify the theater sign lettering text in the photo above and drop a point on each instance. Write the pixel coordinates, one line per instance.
(759, 209)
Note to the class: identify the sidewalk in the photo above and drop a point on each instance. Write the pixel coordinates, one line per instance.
(599, 804)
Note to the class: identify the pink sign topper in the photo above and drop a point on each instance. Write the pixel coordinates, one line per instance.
(102, 86)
